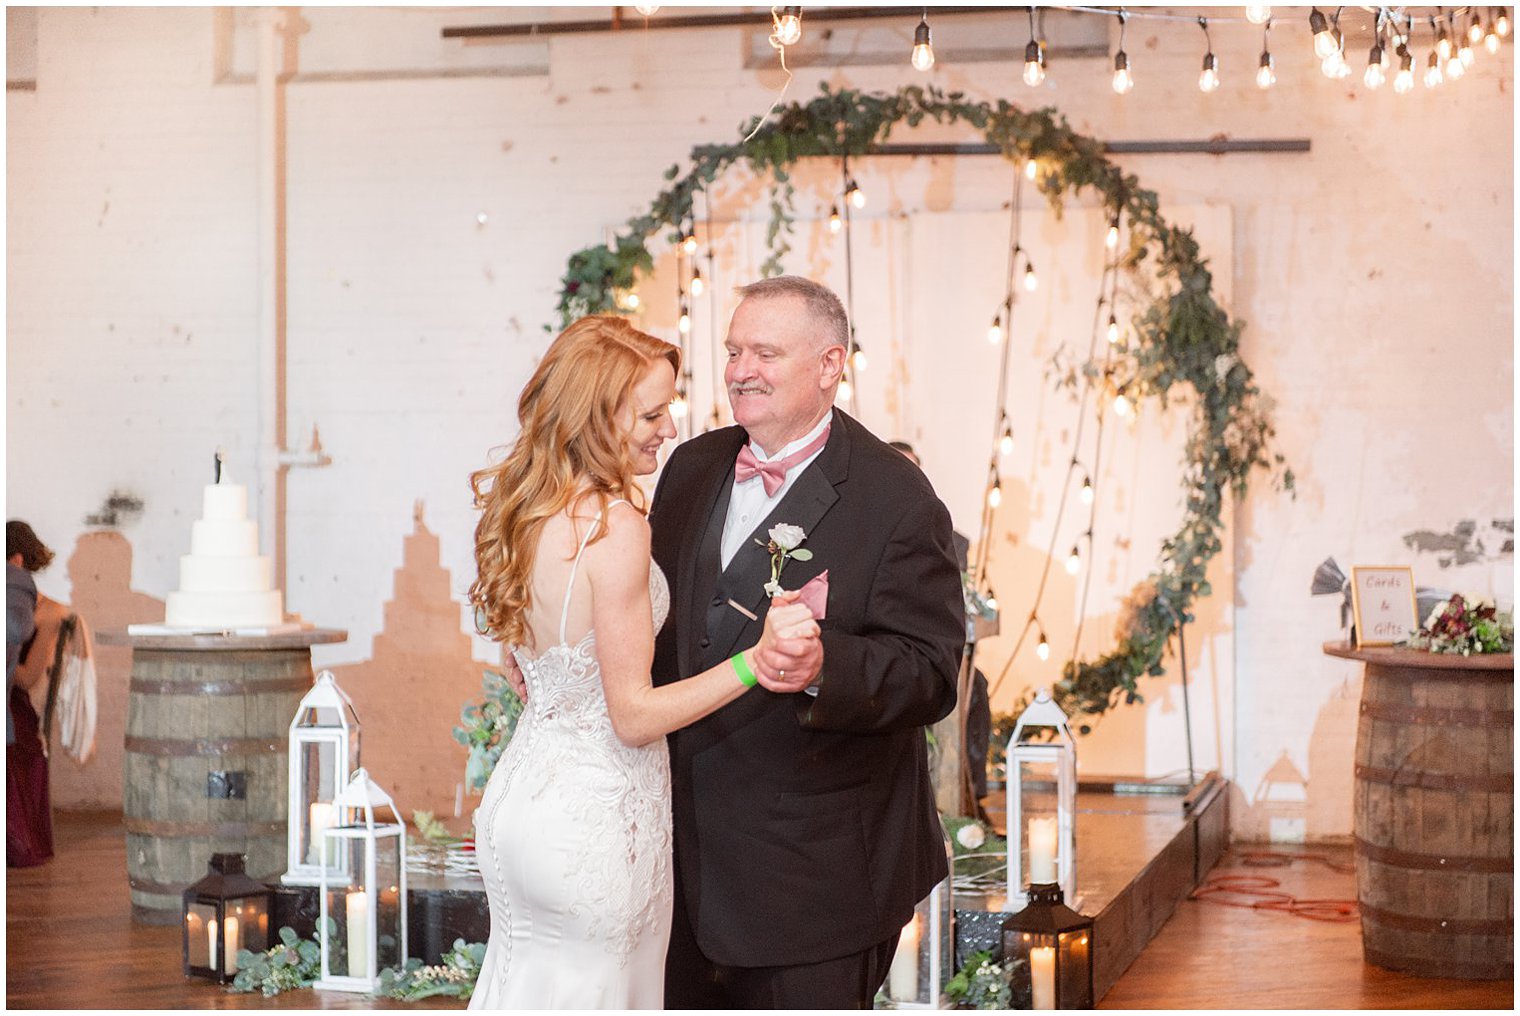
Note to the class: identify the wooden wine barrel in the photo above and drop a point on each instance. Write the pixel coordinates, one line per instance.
(205, 767)
(1433, 812)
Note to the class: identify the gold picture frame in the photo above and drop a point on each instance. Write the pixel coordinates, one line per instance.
(1383, 605)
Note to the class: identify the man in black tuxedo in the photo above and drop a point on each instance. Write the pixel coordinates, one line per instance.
(805, 826)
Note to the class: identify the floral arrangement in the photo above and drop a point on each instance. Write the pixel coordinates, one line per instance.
(454, 977)
(979, 853)
(294, 963)
(1466, 626)
(785, 545)
(980, 983)
(486, 727)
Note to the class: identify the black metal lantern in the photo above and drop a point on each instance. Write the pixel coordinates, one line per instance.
(222, 913)
(1055, 945)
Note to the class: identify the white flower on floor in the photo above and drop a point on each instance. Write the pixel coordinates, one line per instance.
(971, 835)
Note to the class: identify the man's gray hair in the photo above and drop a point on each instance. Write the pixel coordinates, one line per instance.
(820, 301)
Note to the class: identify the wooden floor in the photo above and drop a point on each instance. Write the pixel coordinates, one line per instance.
(70, 943)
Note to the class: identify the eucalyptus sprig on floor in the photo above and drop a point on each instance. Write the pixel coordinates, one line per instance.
(294, 963)
(1186, 345)
(455, 976)
(981, 984)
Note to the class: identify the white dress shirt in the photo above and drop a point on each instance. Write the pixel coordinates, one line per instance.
(748, 504)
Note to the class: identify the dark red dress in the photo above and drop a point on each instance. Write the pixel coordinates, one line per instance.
(28, 812)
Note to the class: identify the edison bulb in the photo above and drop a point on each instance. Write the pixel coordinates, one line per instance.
(689, 243)
(835, 222)
(1123, 81)
(1474, 30)
(684, 324)
(995, 333)
(1034, 67)
(1113, 330)
(632, 301)
(1073, 561)
(1491, 41)
(857, 196)
(1403, 81)
(1121, 404)
(789, 28)
(1031, 169)
(1373, 76)
(1258, 14)
(1433, 70)
(697, 285)
(1005, 443)
(679, 407)
(1208, 78)
(1031, 281)
(1501, 24)
(1443, 45)
(1324, 44)
(846, 391)
(1266, 75)
(992, 603)
(1112, 239)
(1087, 490)
(995, 496)
(858, 359)
(1465, 53)
(646, 9)
(1043, 649)
(923, 49)
(1455, 68)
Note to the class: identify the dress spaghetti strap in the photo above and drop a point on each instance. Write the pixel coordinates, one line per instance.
(564, 611)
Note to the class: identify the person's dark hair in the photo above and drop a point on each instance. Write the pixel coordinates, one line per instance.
(907, 450)
(19, 539)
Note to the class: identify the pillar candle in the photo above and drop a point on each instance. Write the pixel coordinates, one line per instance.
(321, 818)
(1042, 850)
(902, 978)
(233, 943)
(358, 934)
(1042, 976)
(211, 944)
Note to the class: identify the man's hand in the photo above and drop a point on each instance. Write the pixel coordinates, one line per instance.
(514, 675)
(790, 665)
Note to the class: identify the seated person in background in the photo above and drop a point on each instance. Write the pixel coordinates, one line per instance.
(978, 705)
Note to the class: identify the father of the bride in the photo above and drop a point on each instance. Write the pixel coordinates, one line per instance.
(805, 827)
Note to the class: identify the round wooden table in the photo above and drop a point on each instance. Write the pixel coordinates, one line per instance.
(206, 764)
(1434, 811)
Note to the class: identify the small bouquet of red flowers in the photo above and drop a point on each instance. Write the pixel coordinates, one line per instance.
(1466, 626)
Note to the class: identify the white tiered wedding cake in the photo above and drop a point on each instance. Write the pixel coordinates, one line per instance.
(223, 581)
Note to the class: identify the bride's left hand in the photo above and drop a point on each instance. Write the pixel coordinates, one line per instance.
(514, 675)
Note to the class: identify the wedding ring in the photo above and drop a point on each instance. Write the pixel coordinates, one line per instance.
(782, 673)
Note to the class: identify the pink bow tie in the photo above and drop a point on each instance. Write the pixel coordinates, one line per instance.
(773, 473)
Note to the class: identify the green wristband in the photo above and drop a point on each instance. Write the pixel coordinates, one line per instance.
(741, 668)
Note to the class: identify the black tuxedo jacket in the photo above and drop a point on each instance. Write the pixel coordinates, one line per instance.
(805, 827)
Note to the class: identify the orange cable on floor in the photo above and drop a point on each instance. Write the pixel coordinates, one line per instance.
(1258, 892)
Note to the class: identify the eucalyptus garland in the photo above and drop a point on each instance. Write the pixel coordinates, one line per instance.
(1186, 345)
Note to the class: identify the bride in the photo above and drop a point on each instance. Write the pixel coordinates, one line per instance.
(573, 833)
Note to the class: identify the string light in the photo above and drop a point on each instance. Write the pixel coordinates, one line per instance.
(1112, 239)
(788, 26)
(1034, 57)
(1324, 42)
(1501, 23)
(1455, 68)
(835, 222)
(1074, 560)
(1433, 61)
(631, 300)
(1334, 64)
(923, 49)
(1465, 54)
(846, 391)
(1121, 403)
(684, 324)
(1123, 80)
(697, 285)
(1475, 29)
(992, 601)
(1208, 78)
(854, 195)
(1266, 73)
(1087, 489)
(1372, 77)
(1031, 169)
(995, 494)
(1491, 38)
(679, 406)
(1443, 41)
(995, 333)
(1031, 281)
(1005, 443)
(1042, 648)
(689, 242)
(1113, 330)
(1404, 80)
(646, 9)
(1258, 14)
(858, 359)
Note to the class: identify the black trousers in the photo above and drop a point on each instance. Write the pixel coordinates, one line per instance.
(692, 981)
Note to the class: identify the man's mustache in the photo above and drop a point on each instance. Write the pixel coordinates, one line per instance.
(748, 389)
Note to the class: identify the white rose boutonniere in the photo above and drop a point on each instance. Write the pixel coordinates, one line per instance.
(785, 544)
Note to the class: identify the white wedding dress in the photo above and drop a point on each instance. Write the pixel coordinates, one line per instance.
(573, 839)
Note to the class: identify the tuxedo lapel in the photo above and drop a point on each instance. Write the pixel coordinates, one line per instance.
(698, 564)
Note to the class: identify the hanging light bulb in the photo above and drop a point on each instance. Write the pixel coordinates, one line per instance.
(646, 9)
(1491, 40)
(854, 195)
(1121, 404)
(1501, 23)
(1005, 443)
(846, 391)
(1475, 29)
(992, 603)
(1455, 68)
(1266, 75)
(1372, 77)
(1208, 78)
(1111, 240)
(858, 359)
(788, 26)
(1258, 14)
(1443, 41)
(1433, 70)
(631, 301)
(1074, 560)
(1324, 42)
(1465, 54)
(995, 494)
(1087, 490)
(689, 242)
(684, 323)
(1335, 66)
(1123, 80)
(1113, 330)
(1404, 80)
(697, 285)
(1030, 279)
(923, 49)
(1034, 64)
(1042, 649)
(679, 406)
(1031, 169)
(995, 332)
(835, 222)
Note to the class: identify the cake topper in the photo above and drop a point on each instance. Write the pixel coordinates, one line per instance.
(218, 474)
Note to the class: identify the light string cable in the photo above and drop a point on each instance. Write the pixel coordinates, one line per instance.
(683, 341)
(850, 373)
(1003, 321)
(1142, 14)
(1055, 529)
(715, 418)
(780, 47)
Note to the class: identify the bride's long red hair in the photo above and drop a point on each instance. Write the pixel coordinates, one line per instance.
(571, 442)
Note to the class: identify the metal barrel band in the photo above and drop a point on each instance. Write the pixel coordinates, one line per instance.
(1495, 782)
(1437, 925)
(207, 747)
(1432, 862)
(1448, 967)
(143, 686)
(1438, 717)
(222, 830)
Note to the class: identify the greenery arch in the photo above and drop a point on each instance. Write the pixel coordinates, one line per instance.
(1186, 343)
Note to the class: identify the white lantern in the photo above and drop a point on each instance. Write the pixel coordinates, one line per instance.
(324, 749)
(362, 921)
(1042, 804)
(925, 956)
